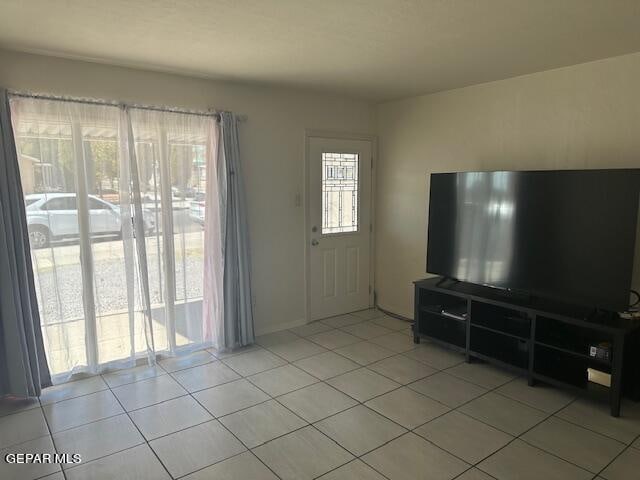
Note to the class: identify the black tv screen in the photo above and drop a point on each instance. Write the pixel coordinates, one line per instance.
(568, 235)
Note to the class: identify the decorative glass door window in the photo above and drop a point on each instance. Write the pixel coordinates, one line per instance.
(339, 192)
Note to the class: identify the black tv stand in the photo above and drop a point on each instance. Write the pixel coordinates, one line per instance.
(542, 340)
(444, 280)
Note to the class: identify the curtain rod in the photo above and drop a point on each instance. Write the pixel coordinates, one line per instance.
(93, 101)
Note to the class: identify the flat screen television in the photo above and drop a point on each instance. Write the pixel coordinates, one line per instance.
(567, 235)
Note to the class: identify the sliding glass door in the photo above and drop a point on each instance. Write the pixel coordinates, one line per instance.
(171, 151)
(115, 210)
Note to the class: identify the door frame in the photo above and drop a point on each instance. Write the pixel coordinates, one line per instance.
(337, 135)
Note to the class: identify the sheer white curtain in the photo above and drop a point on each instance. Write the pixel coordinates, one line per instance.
(175, 152)
(115, 206)
(213, 298)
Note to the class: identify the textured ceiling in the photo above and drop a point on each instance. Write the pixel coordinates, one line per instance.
(374, 49)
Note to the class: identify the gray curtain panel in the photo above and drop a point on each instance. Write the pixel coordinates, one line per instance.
(23, 365)
(238, 311)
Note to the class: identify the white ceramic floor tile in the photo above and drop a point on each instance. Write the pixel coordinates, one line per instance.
(407, 331)
(282, 380)
(137, 463)
(276, 338)
(503, 413)
(577, 445)
(197, 447)
(254, 362)
(391, 323)
(302, 455)
(334, 339)
(80, 410)
(190, 442)
(241, 467)
(169, 417)
(410, 457)
(359, 429)
(364, 353)
(625, 467)
(596, 416)
(540, 396)
(230, 397)
(205, 376)
(292, 351)
(341, 320)
(482, 374)
(396, 342)
(463, 436)
(131, 375)
(435, 356)
(310, 329)
(10, 404)
(524, 462)
(99, 439)
(54, 476)
(355, 470)
(366, 330)
(447, 389)
(316, 402)
(22, 427)
(73, 389)
(407, 407)
(363, 384)
(28, 471)
(326, 365)
(261, 423)
(148, 392)
(174, 364)
(474, 474)
(402, 369)
(368, 314)
(233, 352)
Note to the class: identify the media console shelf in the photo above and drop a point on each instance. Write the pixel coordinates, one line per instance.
(539, 339)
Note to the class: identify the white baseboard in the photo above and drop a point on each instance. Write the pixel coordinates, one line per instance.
(263, 330)
(396, 311)
(276, 327)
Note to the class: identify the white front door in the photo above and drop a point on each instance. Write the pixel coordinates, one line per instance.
(339, 226)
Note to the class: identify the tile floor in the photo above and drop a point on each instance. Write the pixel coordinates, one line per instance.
(349, 397)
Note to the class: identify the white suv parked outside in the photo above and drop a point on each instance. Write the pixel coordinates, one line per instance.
(54, 216)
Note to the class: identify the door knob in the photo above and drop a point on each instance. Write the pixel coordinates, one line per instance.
(315, 242)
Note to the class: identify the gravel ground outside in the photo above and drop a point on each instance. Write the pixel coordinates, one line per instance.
(58, 277)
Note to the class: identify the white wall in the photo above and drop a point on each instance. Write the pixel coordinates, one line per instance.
(585, 116)
(272, 150)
